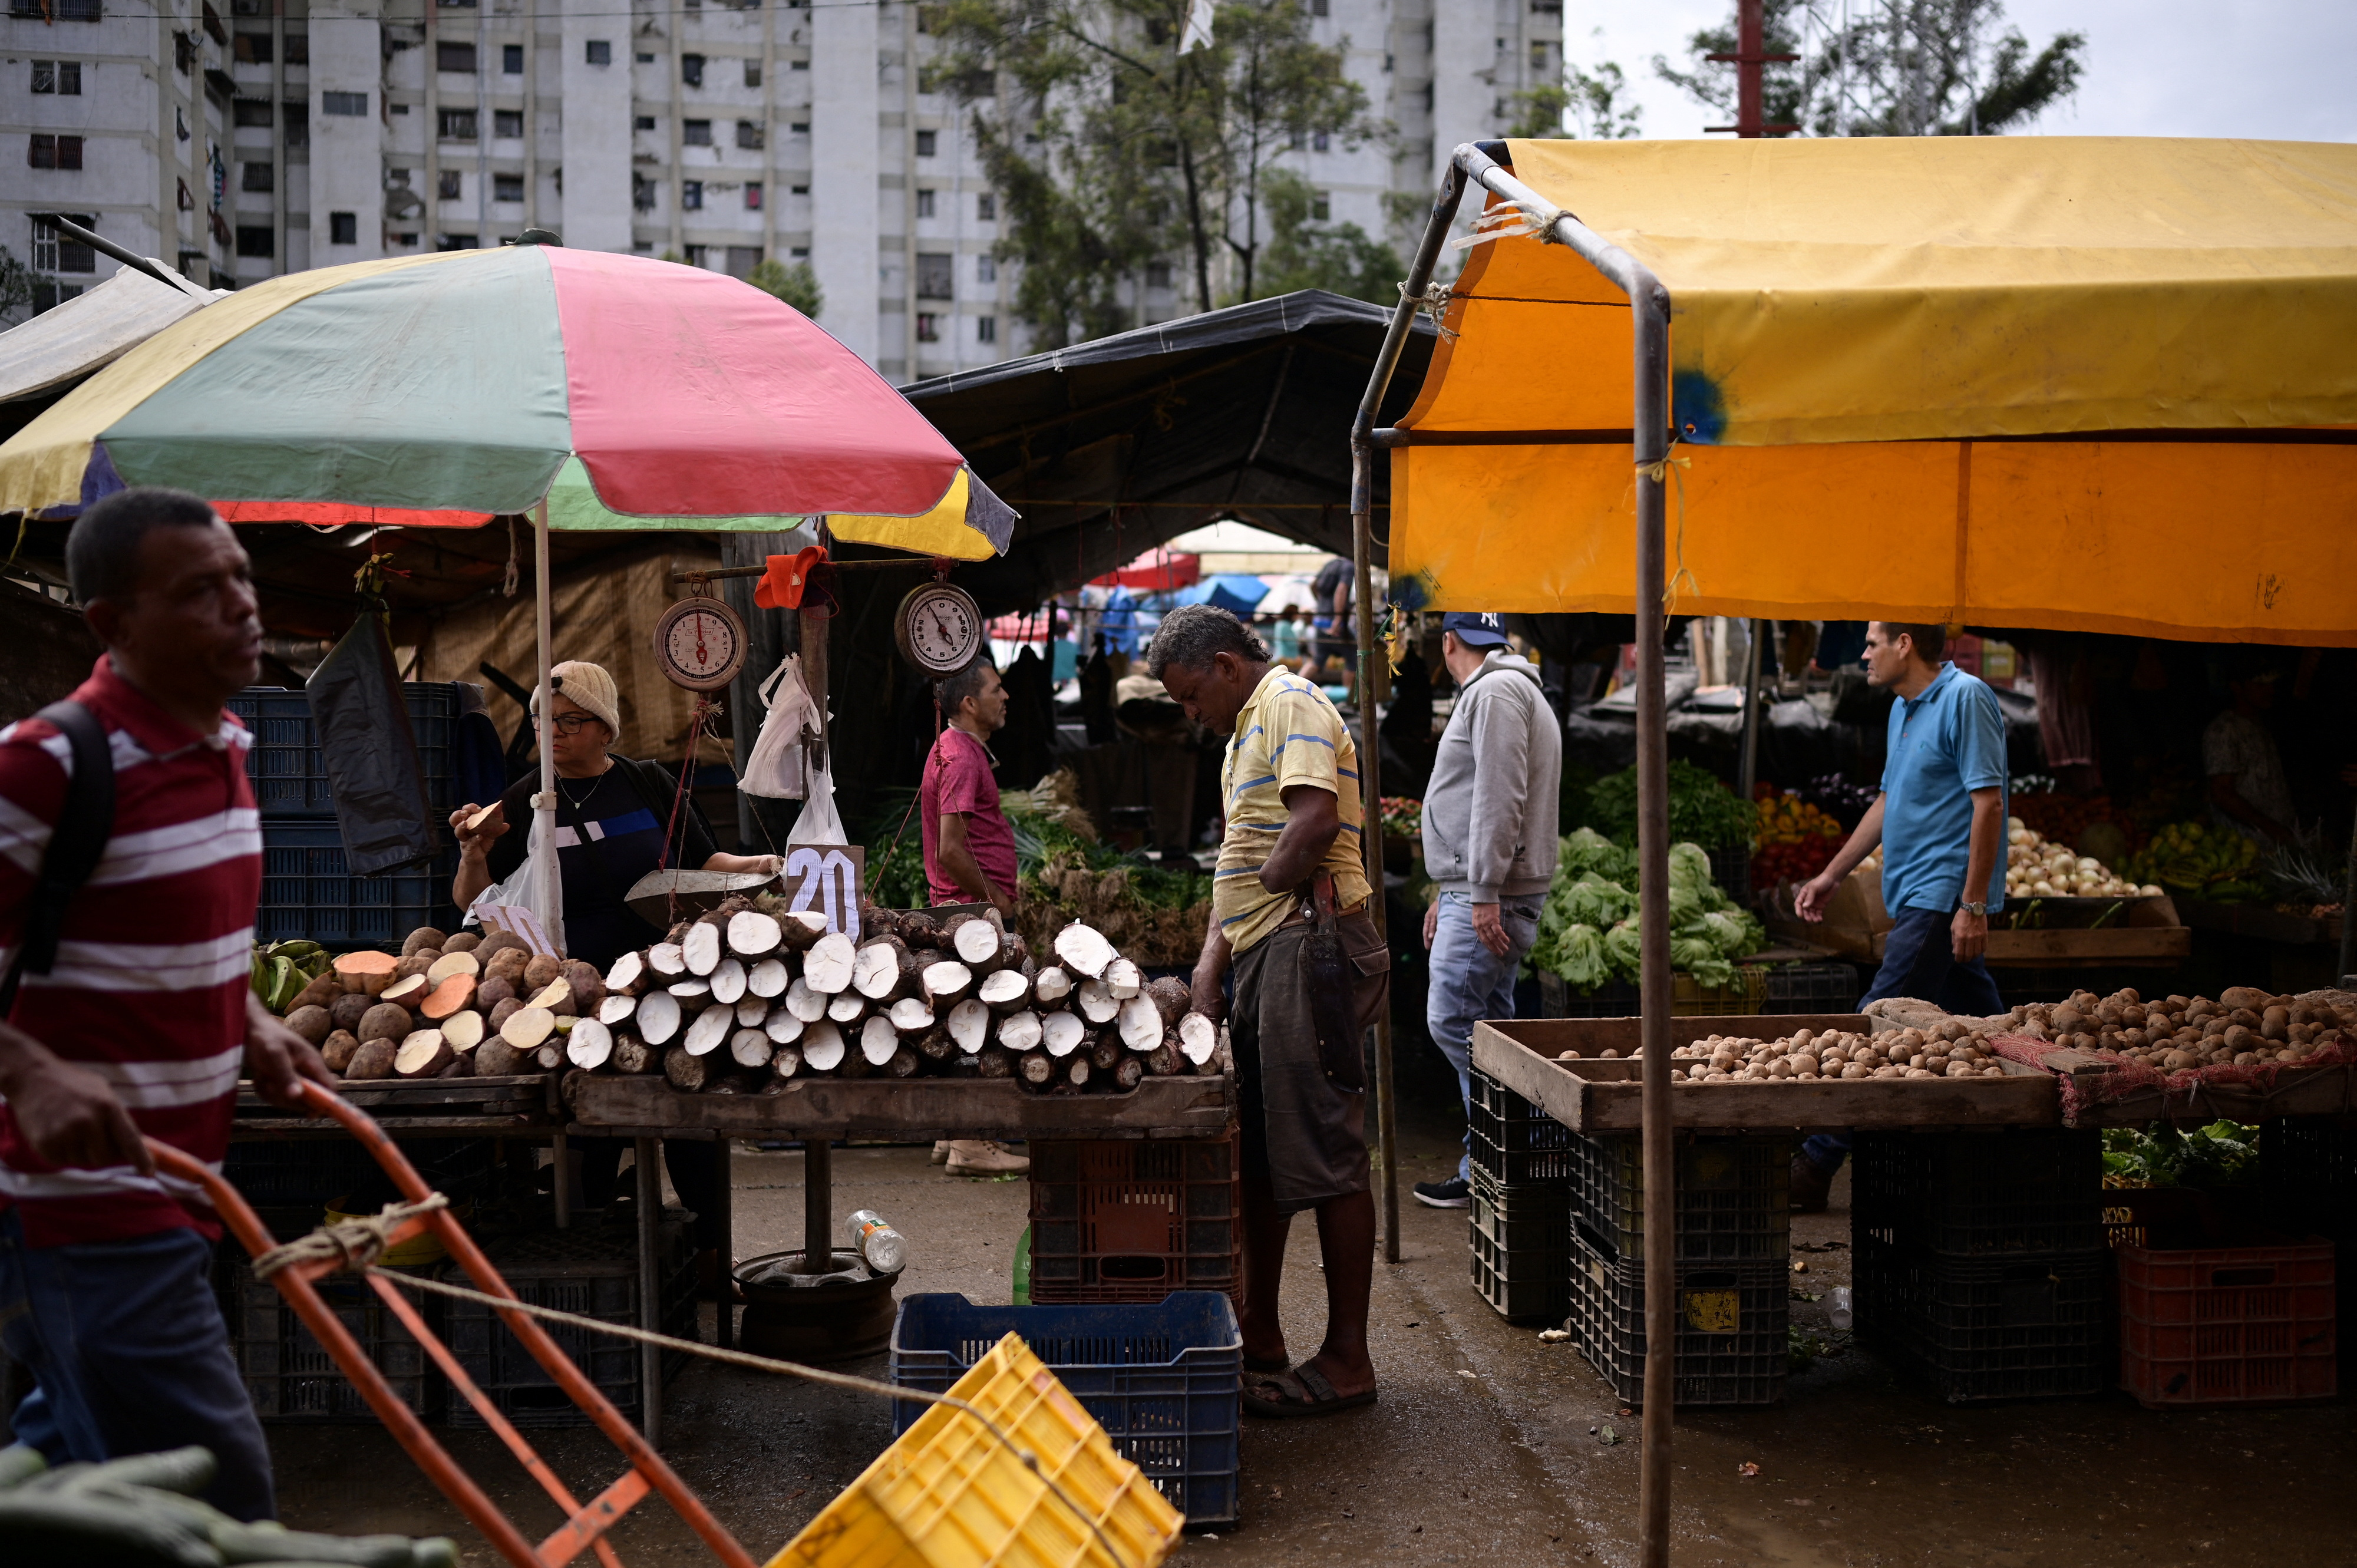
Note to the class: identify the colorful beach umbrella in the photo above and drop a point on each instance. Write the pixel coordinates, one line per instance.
(442, 390)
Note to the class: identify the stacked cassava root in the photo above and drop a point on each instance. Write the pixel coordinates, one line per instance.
(451, 1007)
(742, 1001)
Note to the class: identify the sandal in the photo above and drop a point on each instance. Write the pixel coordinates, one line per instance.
(1257, 1367)
(1303, 1391)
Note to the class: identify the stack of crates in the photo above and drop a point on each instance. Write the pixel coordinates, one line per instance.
(1981, 1261)
(307, 889)
(1131, 1220)
(590, 1270)
(1521, 1201)
(1733, 1251)
(2308, 1170)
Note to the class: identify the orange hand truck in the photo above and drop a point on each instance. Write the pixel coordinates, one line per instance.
(585, 1526)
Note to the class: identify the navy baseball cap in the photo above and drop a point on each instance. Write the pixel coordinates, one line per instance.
(1481, 629)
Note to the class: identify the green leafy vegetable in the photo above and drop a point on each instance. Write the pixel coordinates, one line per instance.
(1594, 901)
(1701, 808)
(2221, 1155)
(1585, 850)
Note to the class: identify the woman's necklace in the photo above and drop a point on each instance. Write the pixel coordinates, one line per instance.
(580, 801)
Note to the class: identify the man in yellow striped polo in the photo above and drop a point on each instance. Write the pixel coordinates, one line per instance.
(1290, 914)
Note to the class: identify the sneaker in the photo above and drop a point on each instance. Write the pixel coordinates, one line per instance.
(1454, 1193)
(985, 1159)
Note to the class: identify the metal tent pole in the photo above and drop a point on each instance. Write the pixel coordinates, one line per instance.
(543, 805)
(1371, 837)
(1747, 773)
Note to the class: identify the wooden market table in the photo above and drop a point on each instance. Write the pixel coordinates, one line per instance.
(818, 1111)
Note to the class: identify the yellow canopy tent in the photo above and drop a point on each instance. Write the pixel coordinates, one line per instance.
(2072, 384)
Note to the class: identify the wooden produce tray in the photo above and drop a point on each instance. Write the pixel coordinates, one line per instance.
(2259, 921)
(518, 1102)
(2146, 933)
(909, 1109)
(1593, 1095)
(2295, 1092)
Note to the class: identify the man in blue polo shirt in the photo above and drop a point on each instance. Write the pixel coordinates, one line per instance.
(1941, 821)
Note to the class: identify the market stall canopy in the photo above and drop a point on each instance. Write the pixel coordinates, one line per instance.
(2096, 384)
(92, 331)
(443, 389)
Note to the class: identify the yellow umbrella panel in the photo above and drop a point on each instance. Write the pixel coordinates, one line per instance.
(2103, 386)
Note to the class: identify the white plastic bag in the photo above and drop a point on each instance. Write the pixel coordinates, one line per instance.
(524, 890)
(778, 765)
(818, 824)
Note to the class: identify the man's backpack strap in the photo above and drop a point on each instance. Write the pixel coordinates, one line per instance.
(76, 844)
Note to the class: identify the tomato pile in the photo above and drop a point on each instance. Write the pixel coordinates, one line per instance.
(1796, 841)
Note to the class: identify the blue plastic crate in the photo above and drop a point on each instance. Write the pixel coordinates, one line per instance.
(308, 890)
(1164, 1381)
(290, 779)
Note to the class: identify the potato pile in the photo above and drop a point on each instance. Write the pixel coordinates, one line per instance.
(449, 1006)
(1947, 1051)
(2244, 1025)
(743, 1001)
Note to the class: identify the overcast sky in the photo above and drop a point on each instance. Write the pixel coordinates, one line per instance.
(2274, 68)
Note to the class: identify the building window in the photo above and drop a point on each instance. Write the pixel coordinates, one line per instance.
(798, 65)
(986, 329)
(1321, 205)
(928, 326)
(54, 152)
(1538, 56)
(53, 252)
(643, 57)
(448, 184)
(298, 124)
(256, 241)
(751, 134)
(643, 123)
(696, 254)
(454, 242)
(800, 127)
(691, 69)
(986, 269)
(985, 208)
(507, 188)
(298, 48)
(1320, 141)
(800, 190)
(691, 196)
(458, 125)
(453, 56)
(752, 73)
(599, 51)
(343, 102)
(184, 53)
(394, 108)
(61, 76)
(251, 49)
(799, 252)
(187, 202)
(928, 143)
(752, 196)
(510, 59)
(507, 125)
(1320, 7)
(924, 204)
(1158, 274)
(256, 178)
(934, 270)
(251, 111)
(343, 228)
(695, 133)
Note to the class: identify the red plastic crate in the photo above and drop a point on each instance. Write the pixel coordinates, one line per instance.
(2240, 1325)
(1134, 1220)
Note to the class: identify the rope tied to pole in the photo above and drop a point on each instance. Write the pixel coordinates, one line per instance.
(354, 1243)
(1670, 466)
(1434, 302)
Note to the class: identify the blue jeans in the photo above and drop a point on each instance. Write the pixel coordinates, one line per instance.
(1919, 960)
(125, 1342)
(1470, 983)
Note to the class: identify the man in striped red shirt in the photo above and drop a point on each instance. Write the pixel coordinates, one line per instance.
(146, 1021)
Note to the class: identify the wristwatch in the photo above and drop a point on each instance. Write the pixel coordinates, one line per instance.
(1969, 908)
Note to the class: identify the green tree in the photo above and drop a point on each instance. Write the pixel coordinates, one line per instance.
(1902, 68)
(1111, 148)
(796, 284)
(1303, 250)
(1593, 101)
(17, 284)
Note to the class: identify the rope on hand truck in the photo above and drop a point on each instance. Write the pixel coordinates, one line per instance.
(354, 1243)
(323, 1243)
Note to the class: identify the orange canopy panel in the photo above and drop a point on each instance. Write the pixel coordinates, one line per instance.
(2065, 490)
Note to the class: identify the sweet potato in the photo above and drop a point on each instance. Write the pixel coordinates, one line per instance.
(338, 1048)
(312, 1023)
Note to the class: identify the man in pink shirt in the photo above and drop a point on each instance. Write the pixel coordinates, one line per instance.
(969, 847)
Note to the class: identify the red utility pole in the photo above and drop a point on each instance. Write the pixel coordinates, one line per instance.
(1749, 41)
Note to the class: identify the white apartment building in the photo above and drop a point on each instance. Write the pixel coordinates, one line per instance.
(283, 135)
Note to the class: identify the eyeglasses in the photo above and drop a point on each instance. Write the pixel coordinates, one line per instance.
(571, 724)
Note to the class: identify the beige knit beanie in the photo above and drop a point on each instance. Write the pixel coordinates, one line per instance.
(592, 689)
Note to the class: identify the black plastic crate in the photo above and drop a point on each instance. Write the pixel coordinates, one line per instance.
(291, 780)
(1733, 1200)
(1516, 1165)
(1558, 1000)
(292, 1379)
(309, 890)
(298, 1173)
(1131, 1220)
(2307, 1168)
(2032, 1190)
(1521, 1217)
(1531, 1284)
(1730, 867)
(1510, 1122)
(1988, 1327)
(1811, 988)
(592, 1271)
(1734, 1322)
(1163, 1381)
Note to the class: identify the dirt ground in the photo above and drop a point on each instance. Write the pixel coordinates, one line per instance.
(1487, 1445)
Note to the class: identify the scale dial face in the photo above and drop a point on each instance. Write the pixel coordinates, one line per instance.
(939, 629)
(700, 643)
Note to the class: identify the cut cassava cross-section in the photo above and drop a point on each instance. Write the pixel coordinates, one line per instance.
(947, 981)
(1197, 1037)
(751, 1047)
(968, 1026)
(767, 978)
(909, 1016)
(800, 929)
(528, 1028)
(803, 1002)
(823, 1048)
(616, 1010)
(628, 977)
(728, 980)
(711, 1027)
(1096, 1003)
(659, 1017)
(700, 947)
(1083, 951)
(693, 990)
(666, 960)
(883, 968)
(1140, 1024)
(1124, 979)
(1060, 1033)
(878, 1040)
(1004, 991)
(846, 1009)
(1019, 1031)
(976, 941)
(829, 963)
(1052, 986)
(750, 1012)
(782, 1027)
(752, 934)
(588, 1045)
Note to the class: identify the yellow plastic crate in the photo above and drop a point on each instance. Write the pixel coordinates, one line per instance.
(949, 1495)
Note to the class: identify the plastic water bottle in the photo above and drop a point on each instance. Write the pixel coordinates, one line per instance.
(884, 1249)
(1837, 1306)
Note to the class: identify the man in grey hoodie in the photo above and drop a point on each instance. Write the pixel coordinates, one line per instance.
(1490, 842)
